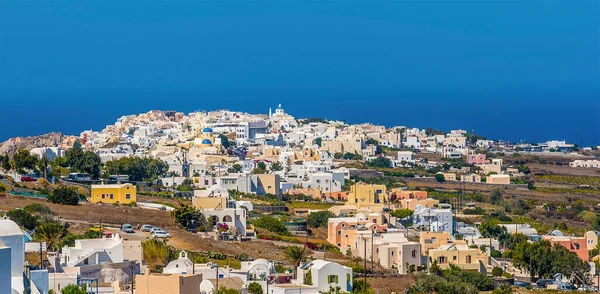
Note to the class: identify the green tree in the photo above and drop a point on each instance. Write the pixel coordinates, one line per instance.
(255, 288)
(440, 178)
(235, 168)
(319, 141)
(261, 168)
(64, 195)
(295, 255)
(381, 162)
(497, 271)
(156, 253)
(272, 224)
(24, 160)
(22, 218)
(402, 213)
(186, 215)
(73, 289)
(138, 169)
(5, 162)
(223, 290)
(276, 166)
(319, 219)
(496, 197)
(51, 233)
(596, 224)
(224, 141)
(491, 229)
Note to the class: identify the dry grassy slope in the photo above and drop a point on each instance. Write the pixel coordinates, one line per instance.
(111, 214)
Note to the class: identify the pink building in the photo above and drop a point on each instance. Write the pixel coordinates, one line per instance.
(476, 159)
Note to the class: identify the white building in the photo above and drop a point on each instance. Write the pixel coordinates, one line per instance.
(93, 251)
(434, 219)
(325, 275)
(12, 262)
(405, 156)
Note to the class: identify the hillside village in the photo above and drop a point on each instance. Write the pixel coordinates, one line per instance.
(231, 202)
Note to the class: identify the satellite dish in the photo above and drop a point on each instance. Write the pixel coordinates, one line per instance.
(557, 233)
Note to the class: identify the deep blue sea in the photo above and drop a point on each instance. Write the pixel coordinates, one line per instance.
(513, 70)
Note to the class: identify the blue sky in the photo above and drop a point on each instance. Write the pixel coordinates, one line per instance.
(508, 69)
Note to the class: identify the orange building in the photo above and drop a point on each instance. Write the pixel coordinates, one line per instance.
(580, 245)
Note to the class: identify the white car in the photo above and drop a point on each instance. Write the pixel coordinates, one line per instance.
(155, 229)
(161, 234)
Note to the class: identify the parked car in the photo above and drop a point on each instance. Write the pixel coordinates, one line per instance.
(521, 284)
(97, 228)
(154, 229)
(147, 228)
(161, 234)
(127, 228)
(542, 283)
(28, 179)
(311, 246)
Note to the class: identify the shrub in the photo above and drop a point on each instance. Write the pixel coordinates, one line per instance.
(272, 224)
(255, 288)
(319, 219)
(440, 178)
(22, 218)
(64, 195)
(38, 207)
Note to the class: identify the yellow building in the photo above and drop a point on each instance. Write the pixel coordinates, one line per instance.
(363, 194)
(113, 193)
(461, 255)
(433, 240)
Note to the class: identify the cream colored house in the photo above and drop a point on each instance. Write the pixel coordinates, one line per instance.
(392, 250)
(433, 240)
(461, 255)
(167, 283)
(498, 179)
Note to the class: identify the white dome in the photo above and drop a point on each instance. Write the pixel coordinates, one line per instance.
(9, 228)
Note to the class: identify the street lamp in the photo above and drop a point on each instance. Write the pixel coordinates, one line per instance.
(126, 211)
(216, 267)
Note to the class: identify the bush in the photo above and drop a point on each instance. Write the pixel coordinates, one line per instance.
(255, 288)
(272, 224)
(64, 195)
(440, 178)
(38, 207)
(497, 271)
(319, 219)
(22, 218)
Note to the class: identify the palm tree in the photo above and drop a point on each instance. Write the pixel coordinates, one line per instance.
(295, 255)
(51, 233)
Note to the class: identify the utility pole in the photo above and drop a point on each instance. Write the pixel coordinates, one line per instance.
(101, 230)
(372, 264)
(41, 259)
(365, 259)
(132, 275)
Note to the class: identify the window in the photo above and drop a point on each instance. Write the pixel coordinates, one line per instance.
(454, 257)
(127, 196)
(468, 259)
(318, 181)
(127, 187)
(339, 233)
(103, 196)
(442, 259)
(112, 196)
(332, 279)
(392, 253)
(414, 253)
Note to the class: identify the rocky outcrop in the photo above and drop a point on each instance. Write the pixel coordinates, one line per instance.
(11, 145)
